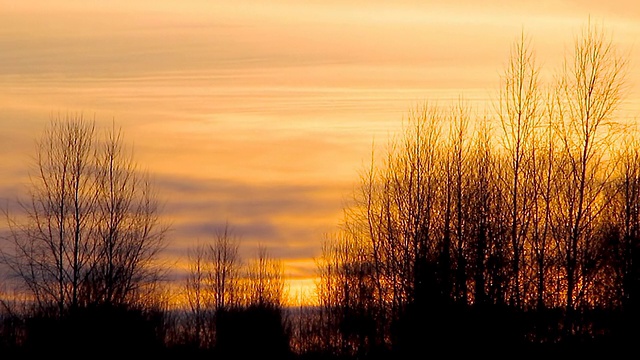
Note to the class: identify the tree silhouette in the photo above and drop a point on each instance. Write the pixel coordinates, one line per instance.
(520, 114)
(258, 325)
(212, 286)
(88, 239)
(235, 309)
(514, 228)
(589, 93)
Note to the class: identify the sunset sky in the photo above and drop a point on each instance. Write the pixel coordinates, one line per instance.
(262, 113)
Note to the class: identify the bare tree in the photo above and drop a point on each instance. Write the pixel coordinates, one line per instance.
(91, 230)
(519, 113)
(128, 229)
(196, 297)
(541, 178)
(591, 89)
(487, 246)
(212, 286)
(224, 269)
(346, 295)
(53, 246)
(264, 286)
(622, 227)
(456, 188)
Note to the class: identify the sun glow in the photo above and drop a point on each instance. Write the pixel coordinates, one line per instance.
(301, 292)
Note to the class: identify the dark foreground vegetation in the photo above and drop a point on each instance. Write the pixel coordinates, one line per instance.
(515, 233)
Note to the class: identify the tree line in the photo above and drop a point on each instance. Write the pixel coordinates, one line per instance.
(519, 227)
(516, 228)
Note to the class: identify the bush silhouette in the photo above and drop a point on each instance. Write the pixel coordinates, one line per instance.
(252, 332)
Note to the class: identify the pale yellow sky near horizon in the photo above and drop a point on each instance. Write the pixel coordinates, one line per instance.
(261, 113)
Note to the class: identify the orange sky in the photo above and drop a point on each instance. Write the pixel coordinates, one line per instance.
(261, 113)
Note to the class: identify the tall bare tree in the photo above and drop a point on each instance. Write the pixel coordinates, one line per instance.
(129, 233)
(224, 269)
(195, 331)
(213, 286)
(541, 178)
(519, 113)
(90, 231)
(590, 92)
(457, 183)
(55, 242)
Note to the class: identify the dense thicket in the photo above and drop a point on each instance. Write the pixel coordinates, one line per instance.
(515, 227)
(234, 309)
